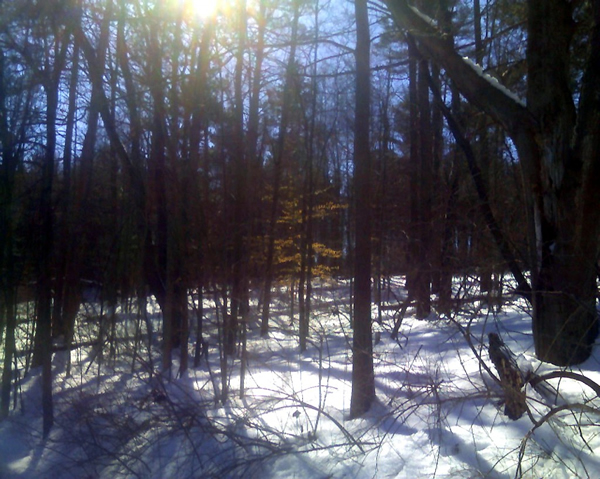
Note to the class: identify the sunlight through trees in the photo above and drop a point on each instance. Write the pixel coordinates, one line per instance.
(221, 155)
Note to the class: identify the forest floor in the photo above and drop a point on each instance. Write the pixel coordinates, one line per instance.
(438, 411)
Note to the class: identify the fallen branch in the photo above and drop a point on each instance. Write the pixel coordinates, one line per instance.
(511, 377)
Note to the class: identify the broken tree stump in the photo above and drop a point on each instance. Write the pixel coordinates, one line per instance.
(511, 378)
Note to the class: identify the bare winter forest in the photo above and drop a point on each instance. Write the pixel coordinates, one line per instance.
(299, 238)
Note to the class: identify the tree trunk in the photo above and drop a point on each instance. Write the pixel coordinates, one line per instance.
(7, 260)
(381, 198)
(558, 146)
(201, 347)
(158, 260)
(363, 377)
(277, 173)
(45, 244)
(307, 250)
(239, 294)
(413, 239)
(75, 235)
(564, 302)
(425, 179)
(419, 279)
(43, 357)
(565, 323)
(63, 247)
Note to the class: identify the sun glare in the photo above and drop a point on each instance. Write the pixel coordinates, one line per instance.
(208, 10)
(205, 8)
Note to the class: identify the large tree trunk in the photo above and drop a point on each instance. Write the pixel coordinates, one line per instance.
(558, 146)
(564, 311)
(565, 323)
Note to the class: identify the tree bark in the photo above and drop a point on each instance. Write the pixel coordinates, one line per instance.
(565, 322)
(511, 378)
(363, 377)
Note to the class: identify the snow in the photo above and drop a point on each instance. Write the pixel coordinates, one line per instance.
(494, 82)
(437, 412)
(430, 21)
(478, 69)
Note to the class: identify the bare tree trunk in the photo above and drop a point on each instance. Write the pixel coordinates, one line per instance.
(558, 147)
(198, 124)
(45, 244)
(309, 192)
(413, 237)
(8, 309)
(565, 320)
(44, 249)
(63, 247)
(305, 279)
(7, 266)
(76, 238)
(179, 202)
(363, 377)
(158, 260)
(485, 266)
(302, 323)
(419, 276)
(277, 173)
(239, 296)
(425, 175)
(201, 346)
(380, 214)
(223, 356)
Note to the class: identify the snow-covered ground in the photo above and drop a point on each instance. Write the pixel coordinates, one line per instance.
(438, 411)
